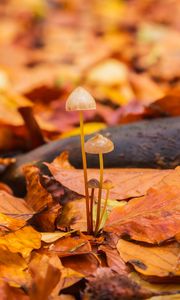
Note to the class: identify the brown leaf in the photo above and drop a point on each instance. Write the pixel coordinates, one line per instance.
(110, 285)
(114, 261)
(73, 215)
(129, 182)
(7, 292)
(69, 246)
(151, 261)
(169, 105)
(152, 218)
(45, 277)
(85, 264)
(14, 207)
(41, 200)
(37, 197)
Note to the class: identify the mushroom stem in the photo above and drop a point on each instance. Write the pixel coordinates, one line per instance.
(100, 192)
(91, 210)
(104, 209)
(85, 169)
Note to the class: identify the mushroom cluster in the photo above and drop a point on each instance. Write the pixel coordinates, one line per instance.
(81, 100)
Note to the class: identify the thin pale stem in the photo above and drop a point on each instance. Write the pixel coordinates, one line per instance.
(85, 170)
(100, 192)
(91, 210)
(104, 208)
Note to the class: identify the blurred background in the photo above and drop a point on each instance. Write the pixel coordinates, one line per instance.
(126, 53)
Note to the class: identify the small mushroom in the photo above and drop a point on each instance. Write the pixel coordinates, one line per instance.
(80, 100)
(99, 145)
(92, 184)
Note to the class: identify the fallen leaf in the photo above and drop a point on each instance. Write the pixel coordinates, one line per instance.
(45, 277)
(6, 188)
(114, 261)
(37, 197)
(129, 182)
(9, 223)
(14, 207)
(50, 237)
(8, 292)
(151, 261)
(85, 264)
(152, 218)
(171, 288)
(22, 241)
(114, 286)
(69, 246)
(13, 268)
(73, 215)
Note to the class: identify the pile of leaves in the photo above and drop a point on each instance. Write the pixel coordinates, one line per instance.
(126, 53)
(45, 253)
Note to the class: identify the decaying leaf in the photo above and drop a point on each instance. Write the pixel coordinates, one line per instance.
(160, 261)
(114, 286)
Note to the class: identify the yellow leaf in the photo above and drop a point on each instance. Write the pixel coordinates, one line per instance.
(88, 129)
(22, 241)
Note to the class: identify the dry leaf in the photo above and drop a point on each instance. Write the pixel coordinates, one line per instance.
(151, 261)
(69, 246)
(114, 261)
(152, 218)
(9, 223)
(14, 207)
(45, 277)
(129, 182)
(12, 268)
(22, 241)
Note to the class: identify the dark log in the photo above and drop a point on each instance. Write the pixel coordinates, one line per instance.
(145, 144)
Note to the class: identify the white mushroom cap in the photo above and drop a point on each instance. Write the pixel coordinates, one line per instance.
(80, 99)
(99, 144)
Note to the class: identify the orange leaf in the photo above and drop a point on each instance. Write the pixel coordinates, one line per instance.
(151, 261)
(127, 182)
(22, 241)
(45, 277)
(10, 223)
(14, 207)
(12, 268)
(69, 246)
(152, 218)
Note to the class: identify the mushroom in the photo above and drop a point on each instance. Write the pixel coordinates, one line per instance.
(80, 100)
(92, 184)
(99, 145)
